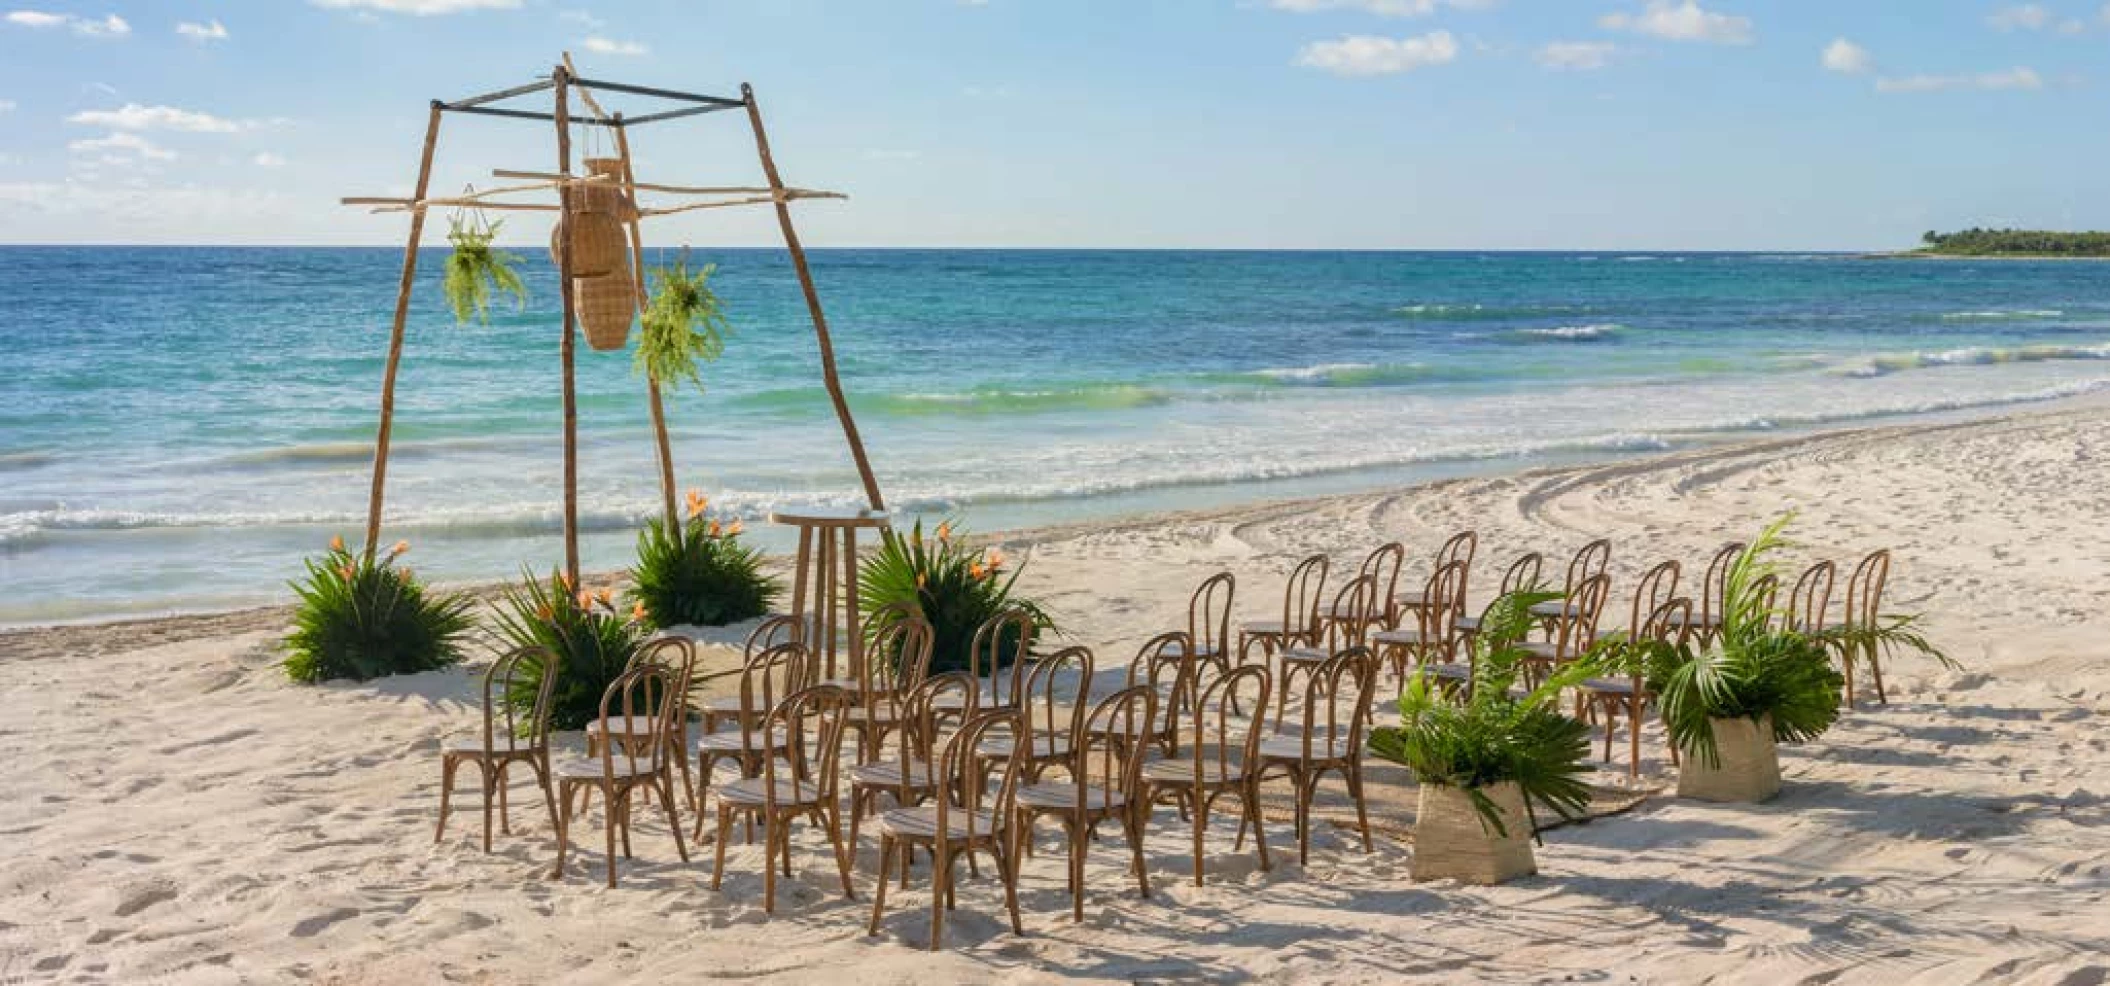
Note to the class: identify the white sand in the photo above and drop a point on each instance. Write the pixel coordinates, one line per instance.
(176, 812)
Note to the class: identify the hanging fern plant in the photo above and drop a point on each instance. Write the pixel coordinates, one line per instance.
(476, 271)
(684, 325)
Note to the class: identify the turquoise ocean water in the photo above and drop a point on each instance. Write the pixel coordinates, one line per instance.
(179, 425)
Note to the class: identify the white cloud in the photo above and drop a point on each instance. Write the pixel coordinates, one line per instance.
(1382, 8)
(1682, 22)
(1846, 57)
(211, 30)
(609, 46)
(110, 26)
(133, 116)
(419, 8)
(1575, 56)
(2026, 17)
(583, 18)
(266, 159)
(1369, 54)
(2073, 25)
(111, 145)
(2012, 79)
(7, 106)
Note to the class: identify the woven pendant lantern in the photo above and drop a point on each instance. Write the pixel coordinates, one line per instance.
(606, 305)
(607, 196)
(599, 243)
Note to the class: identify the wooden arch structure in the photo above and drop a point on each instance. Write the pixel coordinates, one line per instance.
(563, 82)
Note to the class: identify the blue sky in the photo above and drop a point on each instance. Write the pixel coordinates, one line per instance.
(1469, 124)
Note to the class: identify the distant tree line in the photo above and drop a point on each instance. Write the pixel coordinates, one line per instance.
(1976, 242)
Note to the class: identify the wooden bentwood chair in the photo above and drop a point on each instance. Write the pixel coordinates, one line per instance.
(1611, 699)
(801, 784)
(907, 769)
(1459, 547)
(965, 818)
(1299, 626)
(1864, 608)
(645, 697)
(1357, 608)
(1336, 704)
(1105, 783)
(507, 737)
(768, 678)
(678, 656)
(1223, 758)
(1590, 561)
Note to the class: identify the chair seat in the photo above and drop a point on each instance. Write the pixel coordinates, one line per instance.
(621, 726)
(753, 791)
(1290, 746)
(501, 746)
(1555, 607)
(1064, 795)
(1045, 746)
(1180, 769)
(985, 698)
(1544, 650)
(1452, 670)
(1264, 628)
(922, 823)
(590, 768)
(1200, 653)
(889, 774)
(1403, 636)
(1303, 655)
(720, 704)
(1466, 624)
(859, 714)
(729, 740)
(1681, 618)
(1609, 686)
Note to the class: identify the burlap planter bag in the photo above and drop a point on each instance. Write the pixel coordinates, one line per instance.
(1453, 842)
(606, 305)
(1750, 764)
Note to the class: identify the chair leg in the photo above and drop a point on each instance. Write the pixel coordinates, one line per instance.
(505, 827)
(1362, 810)
(725, 831)
(1132, 823)
(1875, 672)
(1078, 844)
(681, 756)
(1633, 737)
(563, 830)
(770, 826)
(941, 884)
(483, 770)
(611, 811)
(549, 798)
(448, 765)
(1251, 797)
(1307, 791)
(621, 806)
(1201, 823)
(886, 869)
(1007, 870)
(834, 824)
(666, 797)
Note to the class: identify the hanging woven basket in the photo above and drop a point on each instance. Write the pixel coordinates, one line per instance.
(598, 243)
(606, 306)
(607, 196)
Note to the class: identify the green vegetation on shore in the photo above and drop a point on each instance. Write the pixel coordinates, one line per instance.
(1976, 242)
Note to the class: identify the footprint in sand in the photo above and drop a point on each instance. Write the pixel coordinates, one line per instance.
(315, 925)
(141, 896)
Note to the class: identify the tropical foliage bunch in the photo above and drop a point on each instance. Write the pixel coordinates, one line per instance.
(476, 271)
(592, 640)
(684, 325)
(363, 617)
(1494, 734)
(700, 572)
(956, 586)
(1757, 668)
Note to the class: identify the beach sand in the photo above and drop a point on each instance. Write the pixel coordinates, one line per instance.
(176, 812)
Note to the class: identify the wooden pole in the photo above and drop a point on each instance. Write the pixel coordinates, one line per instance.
(652, 396)
(395, 339)
(565, 350)
(813, 301)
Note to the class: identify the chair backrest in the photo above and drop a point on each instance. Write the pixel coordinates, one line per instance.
(1209, 614)
(1578, 631)
(1528, 571)
(1864, 589)
(923, 711)
(644, 694)
(1302, 595)
(1042, 701)
(1384, 566)
(1460, 547)
(766, 680)
(1356, 610)
(678, 656)
(781, 629)
(1337, 701)
(1166, 665)
(812, 721)
(897, 659)
(1111, 745)
(514, 674)
(1443, 601)
(1216, 714)
(967, 782)
(1671, 622)
(1002, 644)
(1657, 586)
(1589, 562)
(1811, 596)
(1715, 590)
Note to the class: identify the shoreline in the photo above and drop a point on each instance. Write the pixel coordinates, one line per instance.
(171, 627)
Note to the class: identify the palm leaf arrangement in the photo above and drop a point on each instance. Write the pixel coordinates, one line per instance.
(955, 586)
(699, 573)
(684, 326)
(1758, 671)
(476, 271)
(593, 641)
(1495, 734)
(360, 617)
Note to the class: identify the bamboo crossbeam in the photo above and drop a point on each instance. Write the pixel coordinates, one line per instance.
(635, 90)
(406, 205)
(538, 85)
(646, 186)
(790, 195)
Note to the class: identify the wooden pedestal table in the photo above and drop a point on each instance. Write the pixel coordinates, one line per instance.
(825, 582)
